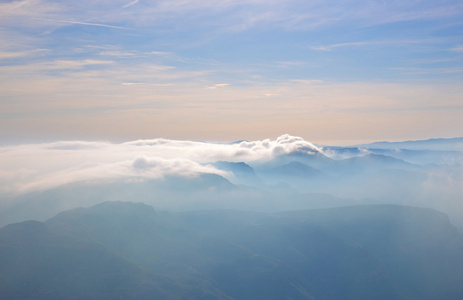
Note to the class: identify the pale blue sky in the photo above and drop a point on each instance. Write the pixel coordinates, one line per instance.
(335, 72)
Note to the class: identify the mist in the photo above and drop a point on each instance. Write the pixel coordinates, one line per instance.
(265, 219)
(287, 173)
(231, 149)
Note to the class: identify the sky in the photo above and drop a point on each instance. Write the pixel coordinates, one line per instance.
(333, 72)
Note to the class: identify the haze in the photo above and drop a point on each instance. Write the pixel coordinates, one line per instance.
(234, 149)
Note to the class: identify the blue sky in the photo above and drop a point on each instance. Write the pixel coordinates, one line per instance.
(335, 72)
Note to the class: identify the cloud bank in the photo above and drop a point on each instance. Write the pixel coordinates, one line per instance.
(30, 167)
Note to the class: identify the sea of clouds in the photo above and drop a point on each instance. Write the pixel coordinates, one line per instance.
(30, 167)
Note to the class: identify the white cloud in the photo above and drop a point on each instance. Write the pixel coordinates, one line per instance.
(219, 85)
(18, 54)
(30, 167)
(158, 53)
(457, 49)
(290, 64)
(130, 4)
(154, 167)
(77, 64)
(117, 53)
(131, 83)
(371, 43)
(28, 11)
(57, 21)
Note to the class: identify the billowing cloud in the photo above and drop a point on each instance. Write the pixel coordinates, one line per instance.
(32, 167)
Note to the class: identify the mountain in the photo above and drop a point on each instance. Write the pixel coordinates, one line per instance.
(243, 174)
(371, 163)
(356, 161)
(416, 245)
(295, 174)
(296, 169)
(38, 264)
(131, 250)
(188, 192)
(369, 176)
(455, 144)
(424, 157)
(273, 186)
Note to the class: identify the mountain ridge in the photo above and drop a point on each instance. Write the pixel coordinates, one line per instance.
(353, 252)
(428, 144)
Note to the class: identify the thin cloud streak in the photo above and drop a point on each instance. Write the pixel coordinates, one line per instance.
(457, 49)
(370, 43)
(229, 16)
(54, 21)
(4, 55)
(130, 4)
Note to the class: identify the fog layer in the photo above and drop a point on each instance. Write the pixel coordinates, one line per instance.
(39, 180)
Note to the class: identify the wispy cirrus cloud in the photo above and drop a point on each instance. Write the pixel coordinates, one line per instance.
(457, 49)
(56, 21)
(27, 10)
(218, 85)
(169, 72)
(331, 47)
(290, 64)
(430, 71)
(77, 64)
(231, 16)
(118, 53)
(19, 54)
(131, 53)
(341, 45)
(130, 4)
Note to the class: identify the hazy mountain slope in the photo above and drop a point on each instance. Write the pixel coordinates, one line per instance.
(334, 267)
(420, 249)
(243, 174)
(430, 144)
(424, 157)
(371, 162)
(315, 160)
(188, 193)
(37, 264)
(163, 244)
(293, 170)
(359, 252)
(280, 183)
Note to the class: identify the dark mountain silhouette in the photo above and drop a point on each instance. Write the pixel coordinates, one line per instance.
(128, 250)
(38, 264)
